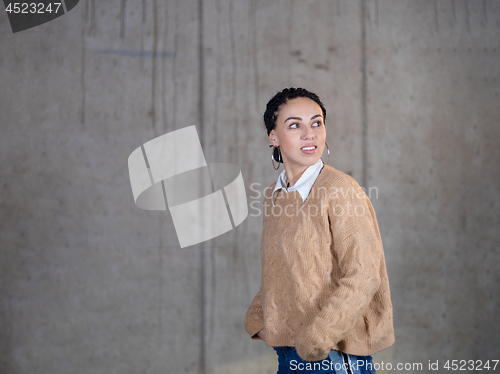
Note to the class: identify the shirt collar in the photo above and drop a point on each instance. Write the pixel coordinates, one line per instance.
(303, 185)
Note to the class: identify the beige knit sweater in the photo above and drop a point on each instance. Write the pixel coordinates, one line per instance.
(324, 280)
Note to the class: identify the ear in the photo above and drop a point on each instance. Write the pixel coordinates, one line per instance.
(273, 138)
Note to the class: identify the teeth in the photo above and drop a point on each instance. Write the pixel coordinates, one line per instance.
(308, 148)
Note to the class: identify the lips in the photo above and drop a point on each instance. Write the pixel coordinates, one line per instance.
(309, 149)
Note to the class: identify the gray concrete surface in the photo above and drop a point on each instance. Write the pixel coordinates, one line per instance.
(89, 283)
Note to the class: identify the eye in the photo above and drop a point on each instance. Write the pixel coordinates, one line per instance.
(294, 125)
(317, 124)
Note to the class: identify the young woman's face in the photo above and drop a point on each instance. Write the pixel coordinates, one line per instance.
(300, 133)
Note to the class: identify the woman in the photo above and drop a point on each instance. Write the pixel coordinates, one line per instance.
(324, 302)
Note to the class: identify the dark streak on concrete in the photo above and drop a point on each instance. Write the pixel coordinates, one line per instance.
(213, 297)
(322, 67)
(234, 79)
(92, 17)
(122, 18)
(436, 15)
(160, 275)
(217, 89)
(253, 12)
(203, 247)
(142, 34)
(153, 70)
(82, 71)
(174, 67)
(289, 40)
(164, 104)
(136, 53)
(467, 15)
(485, 11)
(364, 91)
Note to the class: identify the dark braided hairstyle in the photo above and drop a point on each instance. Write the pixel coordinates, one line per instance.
(277, 101)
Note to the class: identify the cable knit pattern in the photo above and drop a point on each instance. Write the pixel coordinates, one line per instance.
(324, 280)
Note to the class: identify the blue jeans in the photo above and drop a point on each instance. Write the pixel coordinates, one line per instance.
(337, 362)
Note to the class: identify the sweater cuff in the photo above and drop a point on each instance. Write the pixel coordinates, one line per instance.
(253, 325)
(309, 345)
(254, 330)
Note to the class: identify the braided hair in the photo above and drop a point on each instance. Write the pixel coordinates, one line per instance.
(282, 97)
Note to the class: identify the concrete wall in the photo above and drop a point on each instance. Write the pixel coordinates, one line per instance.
(89, 283)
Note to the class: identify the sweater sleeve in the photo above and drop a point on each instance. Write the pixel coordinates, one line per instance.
(358, 250)
(254, 320)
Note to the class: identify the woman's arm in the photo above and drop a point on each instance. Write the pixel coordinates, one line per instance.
(358, 250)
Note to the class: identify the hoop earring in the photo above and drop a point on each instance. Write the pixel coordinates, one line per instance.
(328, 150)
(272, 157)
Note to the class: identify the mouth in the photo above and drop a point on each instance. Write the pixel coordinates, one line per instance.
(309, 149)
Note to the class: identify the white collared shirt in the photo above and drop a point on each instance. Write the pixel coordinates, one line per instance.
(303, 185)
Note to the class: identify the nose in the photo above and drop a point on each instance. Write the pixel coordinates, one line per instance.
(307, 132)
